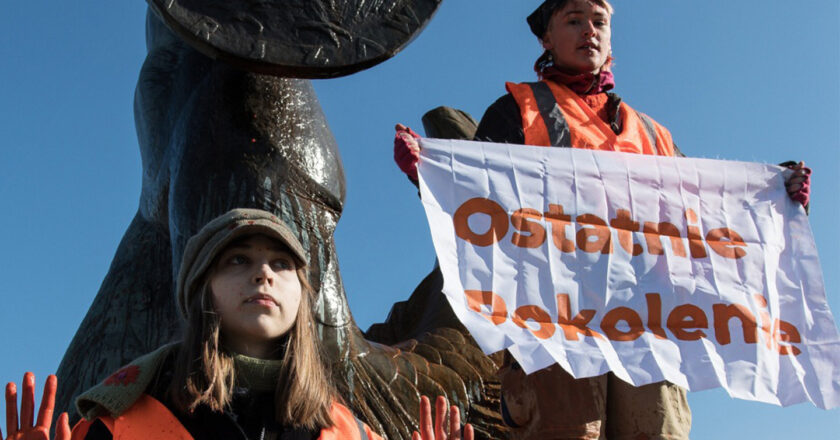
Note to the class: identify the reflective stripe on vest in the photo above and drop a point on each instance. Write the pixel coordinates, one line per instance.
(150, 419)
(553, 115)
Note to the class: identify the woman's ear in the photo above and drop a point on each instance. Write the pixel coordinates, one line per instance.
(545, 42)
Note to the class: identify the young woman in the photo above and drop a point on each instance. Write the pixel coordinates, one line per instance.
(570, 107)
(248, 367)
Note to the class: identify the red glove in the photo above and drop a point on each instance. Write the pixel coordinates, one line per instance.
(798, 185)
(407, 151)
(41, 428)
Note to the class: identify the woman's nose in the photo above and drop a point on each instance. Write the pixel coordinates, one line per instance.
(264, 274)
(589, 29)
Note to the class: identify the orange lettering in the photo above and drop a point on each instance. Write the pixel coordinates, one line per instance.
(787, 333)
(686, 317)
(559, 221)
(478, 298)
(654, 232)
(766, 323)
(608, 324)
(498, 221)
(592, 226)
(578, 324)
(535, 314)
(728, 248)
(625, 226)
(723, 313)
(695, 239)
(536, 233)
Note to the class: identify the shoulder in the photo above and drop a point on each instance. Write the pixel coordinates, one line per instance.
(502, 122)
(119, 391)
(655, 126)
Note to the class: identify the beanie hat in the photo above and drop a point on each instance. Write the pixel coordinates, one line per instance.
(539, 19)
(203, 247)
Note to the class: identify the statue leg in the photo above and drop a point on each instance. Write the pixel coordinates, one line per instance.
(128, 318)
(658, 411)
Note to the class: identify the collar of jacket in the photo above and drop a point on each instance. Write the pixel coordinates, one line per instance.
(256, 374)
(114, 395)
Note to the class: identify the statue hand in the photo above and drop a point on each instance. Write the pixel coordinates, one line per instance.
(427, 432)
(41, 429)
(407, 151)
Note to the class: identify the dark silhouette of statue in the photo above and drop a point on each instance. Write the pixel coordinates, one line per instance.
(225, 119)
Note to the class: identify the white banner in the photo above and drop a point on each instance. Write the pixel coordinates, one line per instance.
(696, 271)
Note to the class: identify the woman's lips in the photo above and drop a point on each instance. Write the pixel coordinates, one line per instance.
(263, 300)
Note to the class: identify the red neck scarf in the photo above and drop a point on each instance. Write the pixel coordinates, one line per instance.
(582, 84)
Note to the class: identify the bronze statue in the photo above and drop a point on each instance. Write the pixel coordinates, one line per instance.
(225, 119)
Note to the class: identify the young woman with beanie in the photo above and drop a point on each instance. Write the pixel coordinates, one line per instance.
(249, 365)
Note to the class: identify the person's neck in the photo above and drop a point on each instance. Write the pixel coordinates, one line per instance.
(582, 83)
(265, 350)
(256, 374)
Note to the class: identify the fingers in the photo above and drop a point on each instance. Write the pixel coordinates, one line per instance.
(454, 422)
(45, 413)
(62, 428)
(27, 401)
(468, 432)
(400, 127)
(11, 409)
(416, 436)
(793, 188)
(406, 141)
(440, 417)
(426, 432)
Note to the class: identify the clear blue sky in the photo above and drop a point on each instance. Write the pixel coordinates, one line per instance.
(743, 80)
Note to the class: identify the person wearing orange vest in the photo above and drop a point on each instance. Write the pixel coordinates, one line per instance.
(571, 107)
(249, 363)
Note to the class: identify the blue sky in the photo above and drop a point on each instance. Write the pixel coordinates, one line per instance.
(747, 80)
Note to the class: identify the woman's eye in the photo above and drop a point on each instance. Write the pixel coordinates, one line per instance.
(282, 264)
(236, 260)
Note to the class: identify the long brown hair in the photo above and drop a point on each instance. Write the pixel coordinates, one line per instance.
(204, 371)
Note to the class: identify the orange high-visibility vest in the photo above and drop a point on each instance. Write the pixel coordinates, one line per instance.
(150, 419)
(553, 115)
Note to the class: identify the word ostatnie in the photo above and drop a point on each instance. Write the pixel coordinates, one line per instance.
(593, 233)
(686, 322)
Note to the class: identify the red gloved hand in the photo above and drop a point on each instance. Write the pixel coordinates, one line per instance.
(41, 430)
(439, 431)
(407, 151)
(798, 185)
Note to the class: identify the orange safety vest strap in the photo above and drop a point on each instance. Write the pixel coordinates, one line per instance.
(146, 419)
(346, 426)
(660, 136)
(533, 124)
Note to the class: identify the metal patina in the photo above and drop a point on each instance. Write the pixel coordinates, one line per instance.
(216, 132)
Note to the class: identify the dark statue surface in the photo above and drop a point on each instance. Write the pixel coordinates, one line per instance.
(214, 136)
(305, 39)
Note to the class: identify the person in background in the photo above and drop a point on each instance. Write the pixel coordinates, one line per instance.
(571, 106)
(248, 367)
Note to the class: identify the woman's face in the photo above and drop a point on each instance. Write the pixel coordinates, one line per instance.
(578, 37)
(256, 293)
